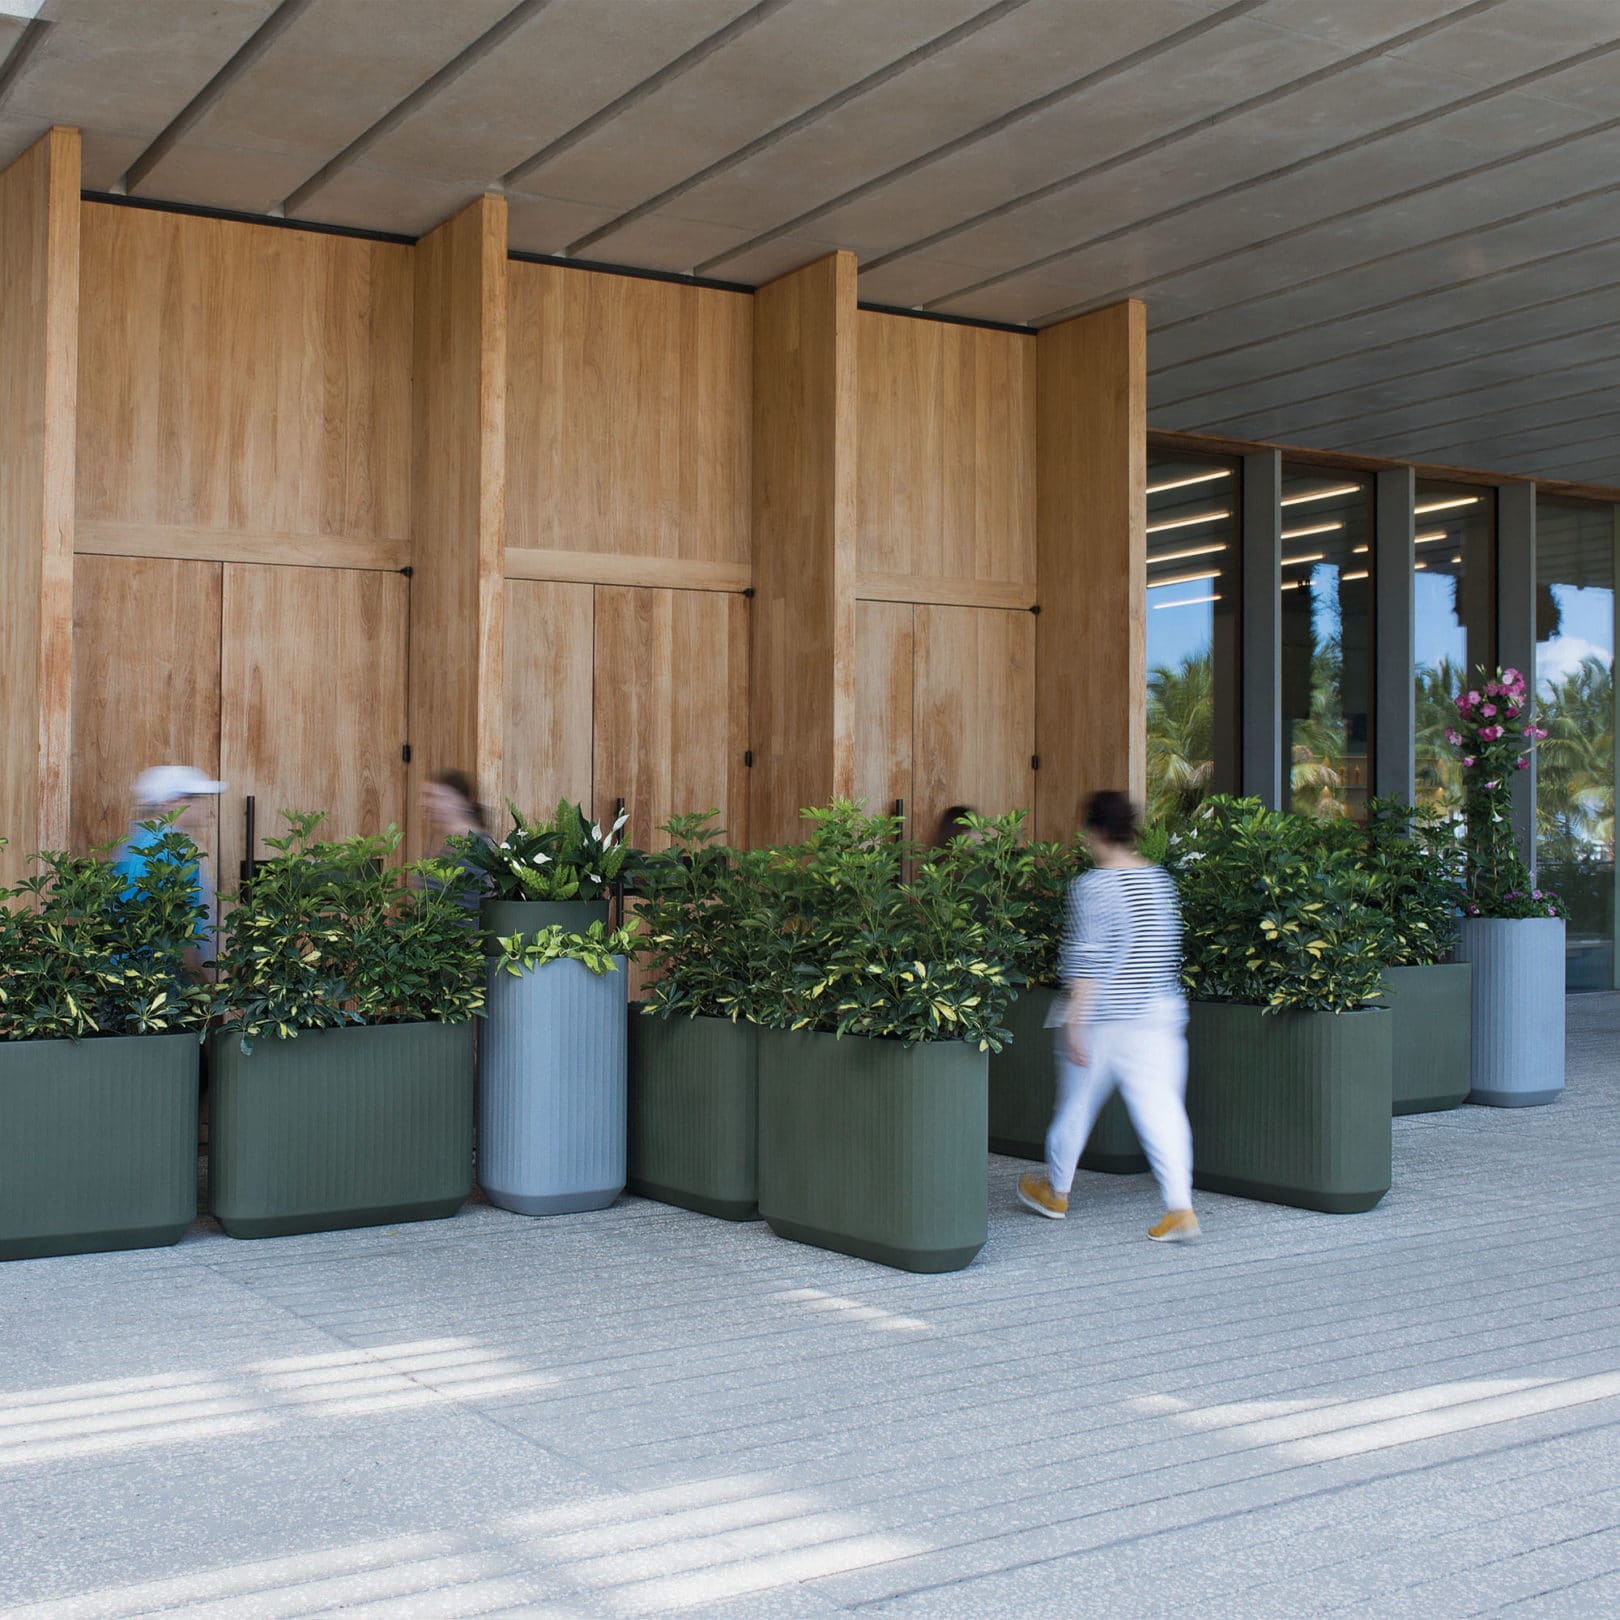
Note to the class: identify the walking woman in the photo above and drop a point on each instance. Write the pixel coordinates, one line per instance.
(1123, 1020)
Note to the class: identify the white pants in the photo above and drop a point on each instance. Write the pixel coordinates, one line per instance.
(1146, 1059)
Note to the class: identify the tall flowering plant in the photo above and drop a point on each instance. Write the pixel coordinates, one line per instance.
(1496, 736)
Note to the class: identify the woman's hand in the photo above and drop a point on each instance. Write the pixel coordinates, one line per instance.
(1074, 1035)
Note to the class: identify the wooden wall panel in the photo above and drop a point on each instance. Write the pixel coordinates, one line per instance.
(629, 419)
(884, 658)
(39, 333)
(312, 713)
(1091, 639)
(974, 721)
(145, 684)
(803, 662)
(671, 708)
(243, 378)
(458, 543)
(947, 457)
(549, 669)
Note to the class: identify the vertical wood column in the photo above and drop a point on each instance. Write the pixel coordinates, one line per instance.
(1091, 562)
(1394, 706)
(803, 659)
(458, 549)
(39, 382)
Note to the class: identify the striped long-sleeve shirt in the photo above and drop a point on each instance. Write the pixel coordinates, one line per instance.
(1122, 931)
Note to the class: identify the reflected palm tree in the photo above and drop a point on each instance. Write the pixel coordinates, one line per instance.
(1180, 737)
(1317, 745)
(1438, 775)
(1575, 780)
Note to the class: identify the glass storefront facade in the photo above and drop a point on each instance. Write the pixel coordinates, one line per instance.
(1453, 623)
(1327, 640)
(1575, 701)
(1192, 614)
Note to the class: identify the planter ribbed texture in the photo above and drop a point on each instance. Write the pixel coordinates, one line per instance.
(356, 1126)
(1292, 1108)
(1430, 1040)
(500, 918)
(872, 1149)
(1023, 1087)
(1518, 965)
(551, 1089)
(694, 1114)
(98, 1144)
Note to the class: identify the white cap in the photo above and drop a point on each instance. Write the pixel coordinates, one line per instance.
(163, 784)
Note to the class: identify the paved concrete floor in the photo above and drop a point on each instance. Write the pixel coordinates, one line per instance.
(643, 1412)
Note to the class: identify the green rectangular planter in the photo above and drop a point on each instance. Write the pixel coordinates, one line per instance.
(98, 1144)
(694, 1114)
(1292, 1108)
(1431, 1035)
(1023, 1087)
(360, 1126)
(873, 1149)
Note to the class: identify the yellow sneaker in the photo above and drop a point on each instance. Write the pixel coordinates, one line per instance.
(1035, 1192)
(1174, 1226)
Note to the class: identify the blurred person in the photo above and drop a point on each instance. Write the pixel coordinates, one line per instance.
(159, 791)
(953, 824)
(1122, 1022)
(451, 809)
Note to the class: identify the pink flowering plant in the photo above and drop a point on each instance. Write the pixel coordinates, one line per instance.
(1496, 736)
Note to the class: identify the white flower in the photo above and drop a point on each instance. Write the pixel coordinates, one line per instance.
(624, 816)
(596, 831)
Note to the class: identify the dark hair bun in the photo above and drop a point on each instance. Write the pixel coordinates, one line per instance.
(1112, 814)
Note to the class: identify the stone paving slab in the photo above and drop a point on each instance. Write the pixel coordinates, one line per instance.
(643, 1412)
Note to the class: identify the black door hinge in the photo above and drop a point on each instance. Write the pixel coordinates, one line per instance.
(748, 757)
(407, 570)
(405, 752)
(1034, 762)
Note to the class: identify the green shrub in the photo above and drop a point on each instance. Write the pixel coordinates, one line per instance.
(594, 949)
(85, 951)
(332, 933)
(568, 857)
(1274, 913)
(1414, 860)
(851, 946)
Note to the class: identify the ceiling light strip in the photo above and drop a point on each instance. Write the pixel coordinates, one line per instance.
(1184, 579)
(1423, 508)
(1187, 552)
(1188, 522)
(1326, 493)
(1187, 601)
(1187, 483)
(1310, 529)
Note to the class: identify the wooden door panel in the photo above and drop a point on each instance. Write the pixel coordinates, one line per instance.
(312, 713)
(145, 684)
(549, 659)
(974, 721)
(884, 658)
(671, 707)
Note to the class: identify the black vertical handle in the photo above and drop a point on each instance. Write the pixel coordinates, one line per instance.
(248, 862)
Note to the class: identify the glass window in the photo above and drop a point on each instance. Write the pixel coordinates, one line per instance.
(1453, 623)
(1575, 633)
(1192, 645)
(1327, 671)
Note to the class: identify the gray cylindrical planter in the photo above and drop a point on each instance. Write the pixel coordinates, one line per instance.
(499, 918)
(1023, 1085)
(1430, 1041)
(551, 1089)
(694, 1114)
(1518, 1000)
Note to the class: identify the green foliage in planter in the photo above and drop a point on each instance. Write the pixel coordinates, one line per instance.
(1274, 914)
(708, 944)
(86, 951)
(568, 857)
(1016, 888)
(1413, 864)
(594, 949)
(330, 932)
(852, 946)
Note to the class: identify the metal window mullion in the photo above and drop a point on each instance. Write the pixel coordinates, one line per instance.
(1516, 629)
(1261, 593)
(1394, 656)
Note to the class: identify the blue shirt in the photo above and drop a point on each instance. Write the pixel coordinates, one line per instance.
(136, 853)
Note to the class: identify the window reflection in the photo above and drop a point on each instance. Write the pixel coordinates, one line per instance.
(1192, 601)
(1326, 640)
(1453, 585)
(1575, 634)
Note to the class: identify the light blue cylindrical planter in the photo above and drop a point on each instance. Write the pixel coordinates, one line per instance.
(551, 1090)
(1518, 1008)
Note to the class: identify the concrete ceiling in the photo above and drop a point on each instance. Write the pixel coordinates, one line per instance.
(1386, 226)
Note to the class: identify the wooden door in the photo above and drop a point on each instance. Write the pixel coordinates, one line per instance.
(671, 708)
(145, 685)
(973, 720)
(312, 711)
(550, 642)
(884, 681)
